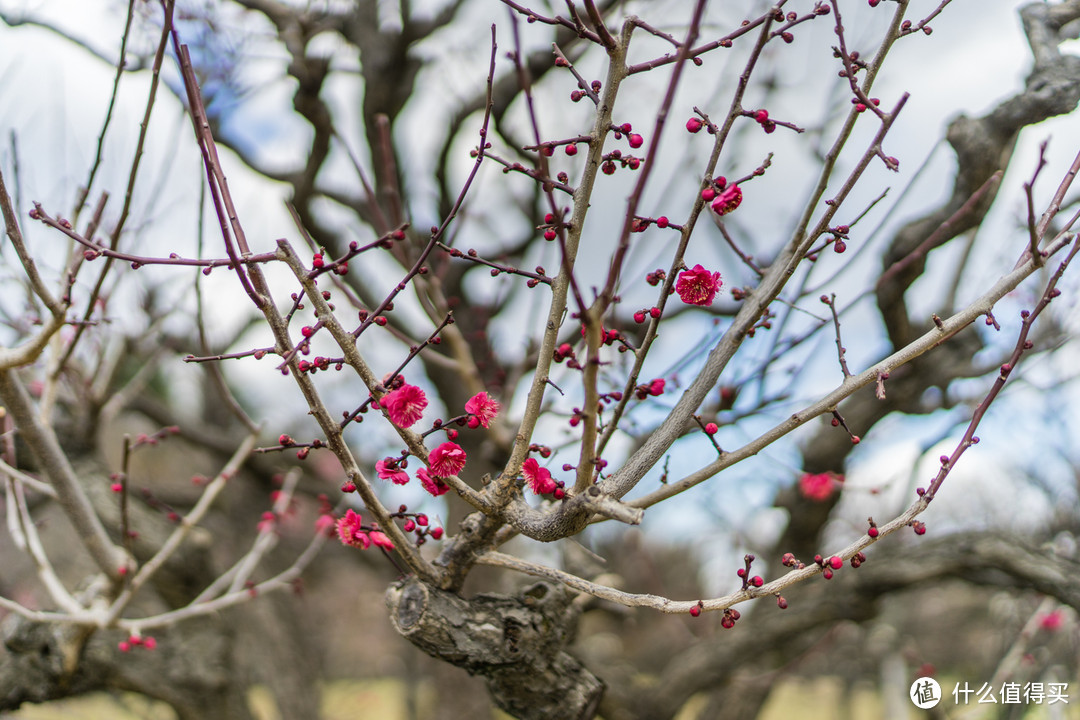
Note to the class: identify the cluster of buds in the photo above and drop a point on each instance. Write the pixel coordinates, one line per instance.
(136, 641)
(615, 156)
(285, 441)
(761, 117)
(749, 581)
(379, 320)
(655, 277)
(653, 312)
(641, 224)
(856, 62)
(830, 565)
(906, 27)
(635, 141)
(860, 106)
(152, 439)
(319, 363)
(417, 523)
(551, 225)
(543, 450)
(341, 267)
(565, 352)
(607, 337)
(727, 621)
(840, 235)
(764, 322)
(576, 95)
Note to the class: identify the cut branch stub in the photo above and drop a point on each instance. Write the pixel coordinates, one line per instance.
(515, 643)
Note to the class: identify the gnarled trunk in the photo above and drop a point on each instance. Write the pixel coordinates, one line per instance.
(517, 644)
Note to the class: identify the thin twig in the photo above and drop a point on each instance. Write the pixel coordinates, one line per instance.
(187, 524)
(144, 128)
(25, 532)
(841, 351)
(121, 62)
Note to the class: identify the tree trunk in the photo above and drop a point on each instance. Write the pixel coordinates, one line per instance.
(515, 643)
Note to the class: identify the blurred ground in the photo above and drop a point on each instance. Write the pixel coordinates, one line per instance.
(384, 699)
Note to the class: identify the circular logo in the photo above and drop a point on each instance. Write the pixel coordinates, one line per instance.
(925, 693)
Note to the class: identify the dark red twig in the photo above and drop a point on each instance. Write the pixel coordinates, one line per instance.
(437, 233)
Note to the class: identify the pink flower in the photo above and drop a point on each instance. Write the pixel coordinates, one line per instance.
(380, 540)
(405, 405)
(446, 460)
(350, 531)
(820, 487)
(728, 199)
(432, 484)
(539, 478)
(698, 286)
(388, 469)
(485, 408)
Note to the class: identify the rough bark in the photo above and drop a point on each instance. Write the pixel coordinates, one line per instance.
(515, 643)
(193, 668)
